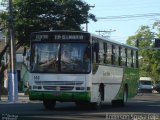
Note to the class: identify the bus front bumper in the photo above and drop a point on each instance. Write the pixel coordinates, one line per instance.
(60, 96)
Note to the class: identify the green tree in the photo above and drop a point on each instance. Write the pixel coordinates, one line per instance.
(38, 15)
(149, 61)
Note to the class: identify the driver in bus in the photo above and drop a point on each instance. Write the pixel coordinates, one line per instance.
(86, 62)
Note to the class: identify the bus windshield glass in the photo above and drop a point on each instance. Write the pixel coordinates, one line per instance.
(61, 57)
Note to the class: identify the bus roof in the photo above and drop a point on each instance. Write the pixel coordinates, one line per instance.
(56, 31)
(93, 35)
(113, 41)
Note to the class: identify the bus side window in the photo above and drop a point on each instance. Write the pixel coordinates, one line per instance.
(120, 56)
(113, 55)
(129, 58)
(109, 53)
(95, 52)
(105, 52)
(135, 59)
(132, 58)
(126, 57)
(123, 55)
(137, 62)
(117, 55)
(101, 53)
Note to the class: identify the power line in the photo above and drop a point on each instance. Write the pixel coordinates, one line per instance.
(129, 16)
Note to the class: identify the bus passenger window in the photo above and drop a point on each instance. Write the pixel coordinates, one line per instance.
(123, 55)
(96, 53)
(116, 55)
(109, 53)
(126, 57)
(134, 59)
(129, 58)
(120, 57)
(101, 53)
(113, 55)
(105, 52)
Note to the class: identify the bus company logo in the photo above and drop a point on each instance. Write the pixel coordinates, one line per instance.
(106, 73)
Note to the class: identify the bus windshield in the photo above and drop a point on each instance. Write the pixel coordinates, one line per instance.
(61, 57)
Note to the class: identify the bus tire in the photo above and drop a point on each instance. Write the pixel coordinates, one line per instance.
(125, 96)
(49, 104)
(123, 101)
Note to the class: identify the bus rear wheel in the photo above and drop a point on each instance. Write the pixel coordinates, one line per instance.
(123, 101)
(49, 104)
(125, 96)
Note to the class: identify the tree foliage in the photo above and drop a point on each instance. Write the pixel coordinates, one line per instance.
(149, 59)
(43, 15)
(38, 15)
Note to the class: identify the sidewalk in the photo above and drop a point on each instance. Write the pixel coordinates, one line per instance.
(21, 99)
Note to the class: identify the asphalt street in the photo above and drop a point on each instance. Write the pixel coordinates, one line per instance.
(146, 106)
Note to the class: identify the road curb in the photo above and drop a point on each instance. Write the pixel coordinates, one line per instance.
(21, 99)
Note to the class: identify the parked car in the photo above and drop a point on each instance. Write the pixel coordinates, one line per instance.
(145, 85)
(157, 87)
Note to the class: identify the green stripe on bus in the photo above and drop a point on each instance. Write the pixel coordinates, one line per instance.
(60, 96)
(131, 77)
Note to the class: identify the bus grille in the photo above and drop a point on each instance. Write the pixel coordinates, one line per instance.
(61, 88)
(59, 83)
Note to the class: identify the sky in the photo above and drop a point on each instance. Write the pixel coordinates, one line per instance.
(122, 28)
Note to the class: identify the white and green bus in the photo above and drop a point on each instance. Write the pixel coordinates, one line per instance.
(74, 66)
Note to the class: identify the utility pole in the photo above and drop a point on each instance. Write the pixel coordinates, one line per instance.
(12, 81)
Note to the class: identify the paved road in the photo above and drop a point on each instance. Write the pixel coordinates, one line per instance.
(146, 106)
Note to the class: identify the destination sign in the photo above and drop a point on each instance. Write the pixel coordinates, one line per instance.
(68, 37)
(41, 37)
(58, 36)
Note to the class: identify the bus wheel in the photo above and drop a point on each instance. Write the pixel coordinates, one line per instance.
(125, 96)
(49, 104)
(123, 101)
